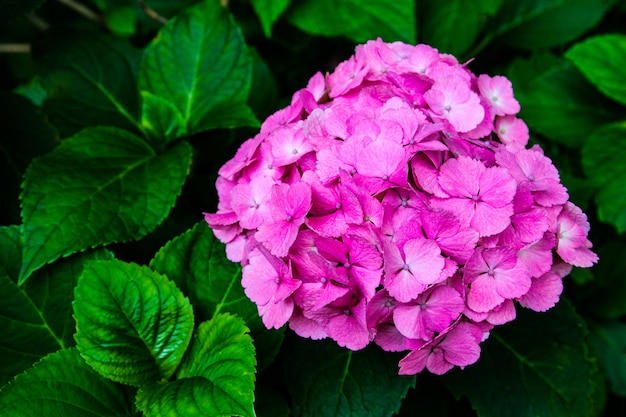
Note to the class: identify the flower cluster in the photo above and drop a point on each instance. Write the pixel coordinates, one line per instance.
(395, 201)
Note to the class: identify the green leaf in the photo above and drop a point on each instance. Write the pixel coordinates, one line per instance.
(603, 149)
(536, 365)
(36, 317)
(11, 9)
(90, 80)
(535, 24)
(608, 340)
(557, 101)
(132, 324)
(602, 59)
(453, 26)
(161, 119)
(121, 20)
(10, 251)
(196, 262)
(268, 12)
(216, 379)
(62, 384)
(33, 91)
(326, 380)
(25, 135)
(200, 63)
(100, 186)
(359, 21)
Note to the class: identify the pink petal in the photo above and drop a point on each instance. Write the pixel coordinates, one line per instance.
(544, 292)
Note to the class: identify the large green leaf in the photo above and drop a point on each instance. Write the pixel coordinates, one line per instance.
(132, 324)
(535, 24)
(216, 379)
(326, 380)
(91, 80)
(537, 365)
(37, 317)
(608, 340)
(452, 26)
(62, 384)
(102, 185)
(602, 59)
(196, 262)
(606, 168)
(200, 63)
(557, 101)
(392, 20)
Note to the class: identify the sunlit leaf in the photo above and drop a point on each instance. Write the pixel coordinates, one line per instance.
(132, 324)
(197, 263)
(216, 379)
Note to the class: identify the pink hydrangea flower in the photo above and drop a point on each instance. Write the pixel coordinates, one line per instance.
(395, 201)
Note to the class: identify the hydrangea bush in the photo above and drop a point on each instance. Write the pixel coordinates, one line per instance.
(396, 201)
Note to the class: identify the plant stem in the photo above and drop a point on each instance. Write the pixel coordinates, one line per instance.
(14, 48)
(151, 13)
(38, 22)
(83, 10)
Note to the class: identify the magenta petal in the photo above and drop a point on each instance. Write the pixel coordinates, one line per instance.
(389, 338)
(414, 362)
(276, 314)
(544, 292)
(409, 321)
(488, 220)
(305, 327)
(461, 344)
(483, 294)
(442, 306)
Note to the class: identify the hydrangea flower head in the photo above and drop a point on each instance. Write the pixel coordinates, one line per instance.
(395, 202)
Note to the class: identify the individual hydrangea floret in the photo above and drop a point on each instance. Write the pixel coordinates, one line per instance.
(395, 201)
